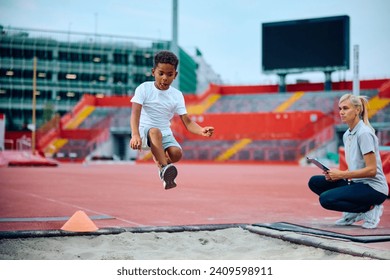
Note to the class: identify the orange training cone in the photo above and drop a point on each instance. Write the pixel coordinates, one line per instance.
(79, 222)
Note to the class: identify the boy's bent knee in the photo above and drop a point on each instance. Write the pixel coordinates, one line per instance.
(155, 133)
(174, 154)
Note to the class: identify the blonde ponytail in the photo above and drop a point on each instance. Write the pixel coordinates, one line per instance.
(361, 102)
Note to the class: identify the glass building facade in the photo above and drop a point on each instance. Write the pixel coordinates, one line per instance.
(70, 64)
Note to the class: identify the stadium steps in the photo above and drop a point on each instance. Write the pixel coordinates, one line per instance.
(376, 104)
(58, 143)
(80, 117)
(288, 103)
(203, 106)
(55, 146)
(234, 149)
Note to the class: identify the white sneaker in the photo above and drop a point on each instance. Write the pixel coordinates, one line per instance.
(372, 217)
(349, 218)
(168, 174)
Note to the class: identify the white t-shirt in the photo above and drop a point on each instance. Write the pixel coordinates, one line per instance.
(158, 106)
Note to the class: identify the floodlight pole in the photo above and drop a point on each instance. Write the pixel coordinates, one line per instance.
(175, 44)
(356, 84)
(34, 96)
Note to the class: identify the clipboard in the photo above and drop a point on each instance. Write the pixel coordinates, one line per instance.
(318, 163)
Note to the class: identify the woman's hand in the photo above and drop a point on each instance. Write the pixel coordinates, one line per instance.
(334, 174)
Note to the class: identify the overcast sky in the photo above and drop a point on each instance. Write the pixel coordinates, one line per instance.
(227, 32)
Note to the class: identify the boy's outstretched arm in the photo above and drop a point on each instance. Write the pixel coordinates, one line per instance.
(195, 128)
(135, 141)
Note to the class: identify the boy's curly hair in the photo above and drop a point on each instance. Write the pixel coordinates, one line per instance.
(166, 57)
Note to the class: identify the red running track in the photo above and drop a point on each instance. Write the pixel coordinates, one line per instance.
(131, 195)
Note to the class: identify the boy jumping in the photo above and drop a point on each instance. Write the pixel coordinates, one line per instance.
(153, 106)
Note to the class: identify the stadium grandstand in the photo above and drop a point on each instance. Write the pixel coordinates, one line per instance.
(253, 124)
(71, 64)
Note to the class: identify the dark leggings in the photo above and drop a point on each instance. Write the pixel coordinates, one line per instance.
(339, 196)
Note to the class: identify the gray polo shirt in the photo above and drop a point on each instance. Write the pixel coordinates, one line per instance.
(358, 142)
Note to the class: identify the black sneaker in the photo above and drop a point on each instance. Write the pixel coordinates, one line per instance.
(168, 174)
